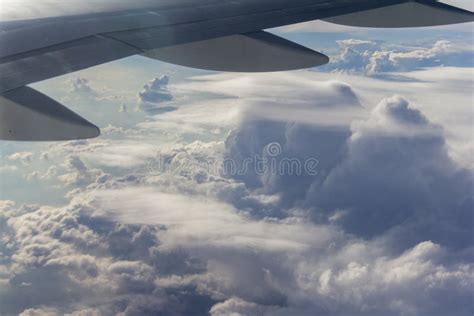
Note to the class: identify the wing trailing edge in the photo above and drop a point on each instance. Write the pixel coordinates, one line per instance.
(418, 13)
(28, 115)
(252, 52)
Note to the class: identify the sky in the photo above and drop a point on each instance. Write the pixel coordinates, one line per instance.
(340, 190)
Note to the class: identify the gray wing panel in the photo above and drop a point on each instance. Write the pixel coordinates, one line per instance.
(28, 115)
(60, 59)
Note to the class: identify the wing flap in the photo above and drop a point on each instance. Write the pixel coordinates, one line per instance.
(253, 52)
(409, 14)
(28, 115)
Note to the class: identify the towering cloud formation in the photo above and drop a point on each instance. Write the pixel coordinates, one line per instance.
(305, 150)
(82, 87)
(154, 93)
(389, 174)
(397, 176)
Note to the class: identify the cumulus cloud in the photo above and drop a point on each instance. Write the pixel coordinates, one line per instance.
(82, 87)
(416, 183)
(233, 268)
(59, 248)
(25, 157)
(318, 142)
(75, 172)
(374, 58)
(154, 94)
(238, 307)
(39, 312)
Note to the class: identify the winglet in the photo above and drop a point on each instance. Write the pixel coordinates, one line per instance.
(28, 115)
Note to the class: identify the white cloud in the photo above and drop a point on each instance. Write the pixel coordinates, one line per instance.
(39, 312)
(201, 222)
(373, 58)
(25, 157)
(282, 97)
(415, 178)
(75, 172)
(415, 183)
(238, 307)
(242, 265)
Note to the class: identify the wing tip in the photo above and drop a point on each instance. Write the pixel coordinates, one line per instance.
(28, 115)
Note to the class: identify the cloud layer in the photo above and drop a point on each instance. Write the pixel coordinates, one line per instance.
(382, 228)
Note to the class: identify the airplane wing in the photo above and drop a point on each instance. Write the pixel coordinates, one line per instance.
(43, 39)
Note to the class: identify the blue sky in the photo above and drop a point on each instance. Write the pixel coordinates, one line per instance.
(373, 215)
